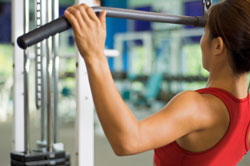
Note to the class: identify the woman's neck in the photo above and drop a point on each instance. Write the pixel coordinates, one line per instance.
(226, 79)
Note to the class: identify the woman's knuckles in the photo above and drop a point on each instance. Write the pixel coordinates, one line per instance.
(88, 38)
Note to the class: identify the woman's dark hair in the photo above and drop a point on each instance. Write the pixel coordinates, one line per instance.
(231, 21)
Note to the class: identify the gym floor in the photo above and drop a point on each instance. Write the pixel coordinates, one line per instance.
(104, 155)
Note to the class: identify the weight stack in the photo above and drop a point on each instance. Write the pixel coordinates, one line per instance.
(38, 158)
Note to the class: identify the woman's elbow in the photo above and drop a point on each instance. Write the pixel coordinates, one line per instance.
(125, 149)
(120, 153)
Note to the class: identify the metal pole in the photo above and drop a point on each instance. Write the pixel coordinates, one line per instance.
(55, 45)
(48, 71)
(40, 73)
(26, 84)
(18, 75)
(84, 124)
(150, 16)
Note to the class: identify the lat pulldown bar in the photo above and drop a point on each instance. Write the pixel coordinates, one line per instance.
(61, 24)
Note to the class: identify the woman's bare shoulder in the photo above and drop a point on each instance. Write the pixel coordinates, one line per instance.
(190, 99)
(201, 101)
(208, 108)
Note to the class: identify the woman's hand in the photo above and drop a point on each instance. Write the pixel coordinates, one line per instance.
(89, 30)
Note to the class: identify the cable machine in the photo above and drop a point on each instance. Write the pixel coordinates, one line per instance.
(50, 152)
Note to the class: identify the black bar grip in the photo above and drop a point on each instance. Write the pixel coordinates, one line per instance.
(61, 24)
(37, 35)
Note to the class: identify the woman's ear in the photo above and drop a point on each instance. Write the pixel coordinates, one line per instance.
(218, 46)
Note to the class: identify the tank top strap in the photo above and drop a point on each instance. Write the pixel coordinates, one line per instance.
(226, 97)
(221, 92)
(223, 95)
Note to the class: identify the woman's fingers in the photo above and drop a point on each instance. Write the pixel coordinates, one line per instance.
(76, 13)
(84, 14)
(103, 19)
(92, 14)
(89, 30)
(73, 21)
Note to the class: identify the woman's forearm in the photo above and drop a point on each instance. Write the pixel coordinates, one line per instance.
(119, 124)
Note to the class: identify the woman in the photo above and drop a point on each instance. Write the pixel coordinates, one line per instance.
(207, 127)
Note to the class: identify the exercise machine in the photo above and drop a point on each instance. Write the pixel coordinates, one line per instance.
(49, 151)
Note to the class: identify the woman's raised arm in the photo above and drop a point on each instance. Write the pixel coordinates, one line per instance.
(126, 135)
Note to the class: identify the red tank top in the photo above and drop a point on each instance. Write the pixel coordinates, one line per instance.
(228, 151)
